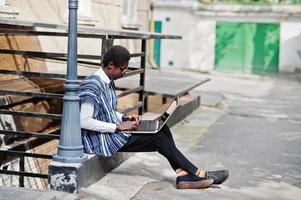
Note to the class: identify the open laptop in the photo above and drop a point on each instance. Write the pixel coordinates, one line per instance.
(154, 126)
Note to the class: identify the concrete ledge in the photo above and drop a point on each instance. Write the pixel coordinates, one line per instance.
(96, 167)
(191, 103)
(69, 177)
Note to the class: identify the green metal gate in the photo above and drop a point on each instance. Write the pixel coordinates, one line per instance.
(247, 47)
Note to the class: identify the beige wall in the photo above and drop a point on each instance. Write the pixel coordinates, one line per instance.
(105, 13)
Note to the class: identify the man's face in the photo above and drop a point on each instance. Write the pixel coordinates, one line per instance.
(117, 72)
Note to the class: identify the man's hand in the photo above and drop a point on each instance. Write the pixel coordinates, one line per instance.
(127, 126)
(135, 118)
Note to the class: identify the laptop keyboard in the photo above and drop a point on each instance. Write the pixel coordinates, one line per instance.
(147, 125)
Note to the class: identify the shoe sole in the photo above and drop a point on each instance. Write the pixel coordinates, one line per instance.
(222, 180)
(195, 185)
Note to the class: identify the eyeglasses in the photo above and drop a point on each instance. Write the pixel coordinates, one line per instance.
(123, 68)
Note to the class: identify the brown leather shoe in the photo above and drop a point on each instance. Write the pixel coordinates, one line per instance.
(192, 182)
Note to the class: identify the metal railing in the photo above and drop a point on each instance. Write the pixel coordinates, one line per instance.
(107, 38)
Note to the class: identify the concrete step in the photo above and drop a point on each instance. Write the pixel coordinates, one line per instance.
(143, 169)
(14, 193)
(96, 167)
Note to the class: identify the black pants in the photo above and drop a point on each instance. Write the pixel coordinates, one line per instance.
(163, 143)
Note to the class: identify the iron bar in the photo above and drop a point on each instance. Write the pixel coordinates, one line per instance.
(29, 134)
(31, 114)
(143, 108)
(11, 105)
(21, 169)
(130, 108)
(116, 34)
(45, 33)
(17, 173)
(38, 54)
(31, 94)
(133, 71)
(26, 154)
(138, 54)
(36, 74)
(130, 91)
(78, 61)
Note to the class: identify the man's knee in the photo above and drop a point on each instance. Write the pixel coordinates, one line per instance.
(165, 138)
(166, 131)
(165, 128)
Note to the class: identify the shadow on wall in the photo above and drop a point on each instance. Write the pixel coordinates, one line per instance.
(291, 55)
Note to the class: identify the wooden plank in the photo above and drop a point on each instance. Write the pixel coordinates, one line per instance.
(163, 83)
(115, 33)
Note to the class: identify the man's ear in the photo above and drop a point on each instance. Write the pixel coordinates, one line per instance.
(110, 65)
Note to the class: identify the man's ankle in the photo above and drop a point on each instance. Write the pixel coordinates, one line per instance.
(200, 173)
(181, 172)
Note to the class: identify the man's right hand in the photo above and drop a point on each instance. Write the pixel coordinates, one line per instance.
(127, 126)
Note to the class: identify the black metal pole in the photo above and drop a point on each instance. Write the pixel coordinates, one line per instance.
(142, 97)
(22, 169)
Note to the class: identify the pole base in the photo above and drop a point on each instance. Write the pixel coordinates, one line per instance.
(61, 159)
(65, 177)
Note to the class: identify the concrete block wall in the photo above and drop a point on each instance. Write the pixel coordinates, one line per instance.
(290, 48)
(196, 50)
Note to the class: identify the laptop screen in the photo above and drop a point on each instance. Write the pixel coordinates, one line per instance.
(165, 116)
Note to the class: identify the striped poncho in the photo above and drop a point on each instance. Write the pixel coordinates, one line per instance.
(102, 95)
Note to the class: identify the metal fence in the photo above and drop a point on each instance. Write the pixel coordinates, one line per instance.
(35, 139)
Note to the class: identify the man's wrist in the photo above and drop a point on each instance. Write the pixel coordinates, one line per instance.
(117, 127)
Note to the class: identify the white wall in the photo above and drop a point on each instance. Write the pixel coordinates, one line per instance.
(290, 45)
(196, 50)
(197, 26)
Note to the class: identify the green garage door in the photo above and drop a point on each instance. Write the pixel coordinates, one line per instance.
(247, 47)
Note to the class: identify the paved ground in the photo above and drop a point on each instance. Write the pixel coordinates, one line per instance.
(255, 133)
(250, 125)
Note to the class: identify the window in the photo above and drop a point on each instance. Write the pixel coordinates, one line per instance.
(85, 8)
(2, 2)
(129, 15)
(7, 11)
(84, 12)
